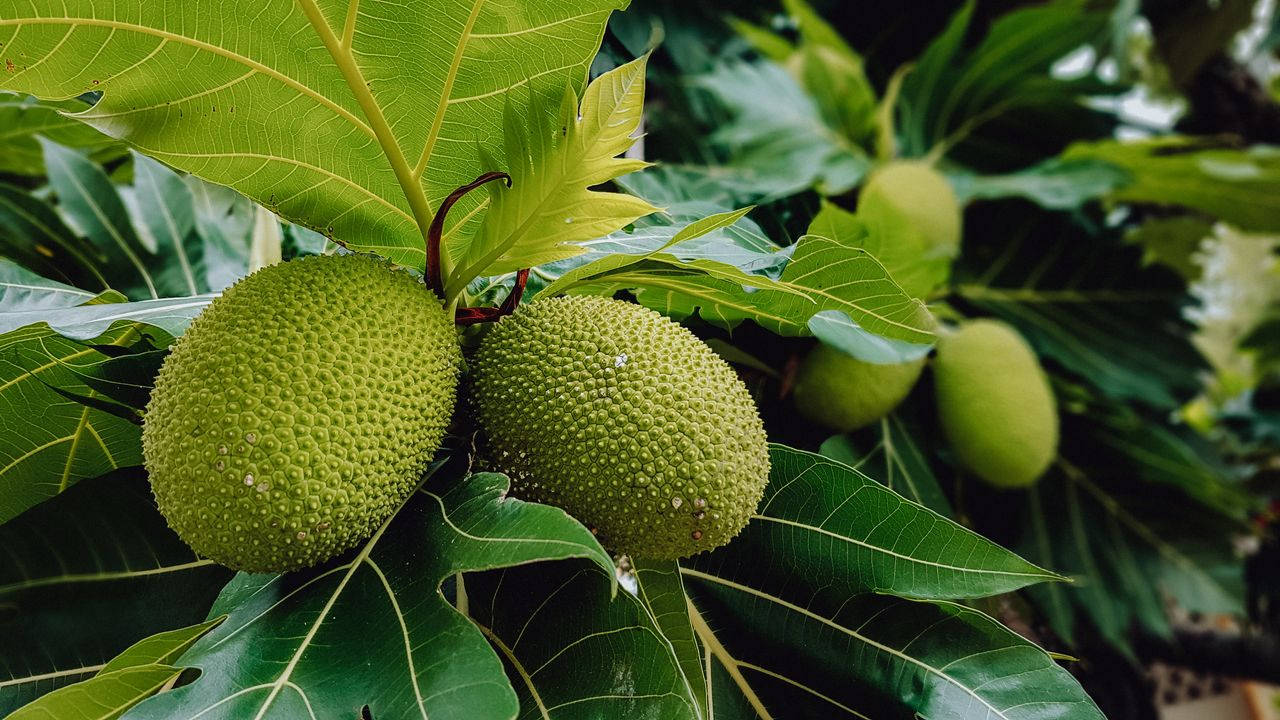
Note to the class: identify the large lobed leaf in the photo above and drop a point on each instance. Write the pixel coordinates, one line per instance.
(394, 99)
(286, 648)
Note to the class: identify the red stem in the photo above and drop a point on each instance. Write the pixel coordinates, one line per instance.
(437, 227)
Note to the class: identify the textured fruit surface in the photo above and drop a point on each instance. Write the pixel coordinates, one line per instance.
(913, 193)
(626, 420)
(299, 410)
(995, 404)
(845, 393)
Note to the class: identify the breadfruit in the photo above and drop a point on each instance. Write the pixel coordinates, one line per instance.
(908, 193)
(624, 419)
(299, 411)
(995, 404)
(845, 393)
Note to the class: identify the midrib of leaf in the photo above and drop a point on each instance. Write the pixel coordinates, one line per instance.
(841, 629)
(446, 90)
(48, 232)
(351, 72)
(717, 649)
(102, 576)
(52, 675)
(519, 667)
(305, 642)
(115, 234)
(900, 556)
(48, 289)
(404, 632)
(1170, 552)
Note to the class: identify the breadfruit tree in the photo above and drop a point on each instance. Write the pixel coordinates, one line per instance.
(674, 360)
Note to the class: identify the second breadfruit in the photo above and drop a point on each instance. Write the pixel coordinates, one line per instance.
(626, 420)
(845, 393)
(995, 404)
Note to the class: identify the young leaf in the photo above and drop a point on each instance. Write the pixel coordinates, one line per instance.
(366, 116)
(163, 648)
(553, 163)
(286, 644)
(85, 576)
(566, 644)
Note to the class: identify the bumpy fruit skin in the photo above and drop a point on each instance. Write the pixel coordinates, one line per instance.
(299, 410)
(845, 393)
(626, 420)
(995, 404)
(920, 196)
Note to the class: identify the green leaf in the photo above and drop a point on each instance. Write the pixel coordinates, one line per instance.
(1241, 187)
(781, 145)
(32, 234)
(103, 697)
(85, 322)
(895, 460)
(90, 201)
(901, 251)
(1111, 322)
(392, 100)
(857, 299)
(162, 648)
(662, 590)
(23, 290)
(953, 91)
(72, 441)
(554, 160)
(568, 646)
(838, 528)
(832, 74)
(789, 638)
(286, 644)
(24, 119)
(1055, 184)
(85, 576)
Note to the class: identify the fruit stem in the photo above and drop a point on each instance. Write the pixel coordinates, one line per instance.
(476, 315)
(435, 278)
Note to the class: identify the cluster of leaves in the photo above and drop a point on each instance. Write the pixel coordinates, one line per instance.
(852, 591)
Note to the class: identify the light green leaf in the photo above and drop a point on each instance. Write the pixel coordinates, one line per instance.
(553, 161)
(1241, 187)
(832, 74)
(1055, 184)
(285, 648)
(23, 119)
(162, 648)
(778, 141)
(367, 115)
(900, 250)
(103, 697)
(21, 289)
(171, 315)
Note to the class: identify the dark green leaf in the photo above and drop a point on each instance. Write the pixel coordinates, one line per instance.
(895, 459)
(86, 575)
(285, 649)
(572, 651)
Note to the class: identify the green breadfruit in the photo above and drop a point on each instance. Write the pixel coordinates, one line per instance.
(299, 410)
(995, 404)
(845, 393)
(626, 420)
(911, 194)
